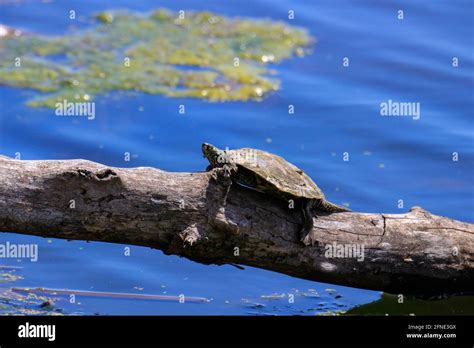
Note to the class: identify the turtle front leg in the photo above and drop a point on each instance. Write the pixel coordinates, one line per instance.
(306, 209)
(224, 175)
(229, 171)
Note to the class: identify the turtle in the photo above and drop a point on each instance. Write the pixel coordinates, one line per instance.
(273, 175)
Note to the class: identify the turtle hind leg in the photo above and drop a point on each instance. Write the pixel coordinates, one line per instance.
(306, 208)
(329, 207)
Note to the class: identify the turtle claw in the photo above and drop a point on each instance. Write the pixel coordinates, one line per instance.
(222, 174)
(229, 170)
(214, 175)
(303, 241)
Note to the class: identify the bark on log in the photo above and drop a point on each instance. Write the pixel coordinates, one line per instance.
(184, 214)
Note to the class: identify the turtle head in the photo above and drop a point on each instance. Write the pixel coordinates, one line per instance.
(213, 154)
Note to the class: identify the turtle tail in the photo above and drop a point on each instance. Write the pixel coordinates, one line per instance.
(329, 207)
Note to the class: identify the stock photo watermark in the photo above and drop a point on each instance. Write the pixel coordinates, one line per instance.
(228, 156)
(345, 251)
(400, 109)
(28, 330)
(80, 109)
(19, 251)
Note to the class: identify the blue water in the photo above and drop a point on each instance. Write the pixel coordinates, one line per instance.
(337, 110)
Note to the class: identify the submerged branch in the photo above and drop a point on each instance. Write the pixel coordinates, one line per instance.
(105, 294)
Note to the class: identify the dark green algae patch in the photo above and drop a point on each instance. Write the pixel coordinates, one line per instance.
(202, 55)
(389, 305)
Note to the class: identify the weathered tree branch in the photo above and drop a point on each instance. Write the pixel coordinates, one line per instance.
(184, 214)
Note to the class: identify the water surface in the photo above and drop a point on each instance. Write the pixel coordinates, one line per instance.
(337, 111)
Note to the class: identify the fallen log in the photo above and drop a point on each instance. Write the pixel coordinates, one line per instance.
(186, 214)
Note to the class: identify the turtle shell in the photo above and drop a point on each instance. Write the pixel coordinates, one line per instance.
(274, 174)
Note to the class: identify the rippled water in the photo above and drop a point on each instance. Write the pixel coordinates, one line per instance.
(337, 110)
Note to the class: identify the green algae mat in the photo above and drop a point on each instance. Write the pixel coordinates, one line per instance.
(185, 54)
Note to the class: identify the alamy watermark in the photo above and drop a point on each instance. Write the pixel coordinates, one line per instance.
(248, 156)
(67, 108)
(334, 250)
(19, 251)
(28, 330)
(402, 109)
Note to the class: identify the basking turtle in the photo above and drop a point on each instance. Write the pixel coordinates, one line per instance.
(273, 175)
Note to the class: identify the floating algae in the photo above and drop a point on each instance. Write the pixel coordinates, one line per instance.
(8, 277)
(190, 54)
(12, 303)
